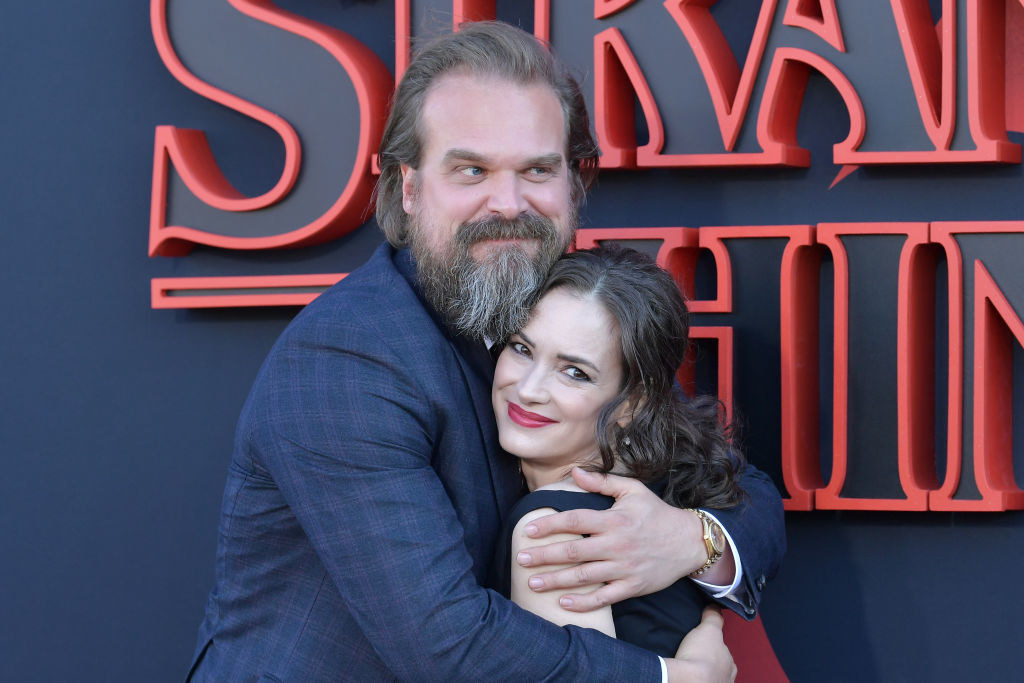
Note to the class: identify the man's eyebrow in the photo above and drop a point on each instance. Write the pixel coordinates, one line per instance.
(554, 159)
(456, 154)
(463, 155)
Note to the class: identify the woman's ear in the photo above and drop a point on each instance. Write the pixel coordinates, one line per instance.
(624, 413)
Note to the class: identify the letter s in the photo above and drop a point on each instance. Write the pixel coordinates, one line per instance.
(280, 59)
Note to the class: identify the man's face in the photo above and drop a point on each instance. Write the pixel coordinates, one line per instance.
(489, 205)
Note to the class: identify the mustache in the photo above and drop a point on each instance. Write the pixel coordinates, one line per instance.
(525, 226)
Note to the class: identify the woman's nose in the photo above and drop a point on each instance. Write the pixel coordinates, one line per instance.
(532, 387)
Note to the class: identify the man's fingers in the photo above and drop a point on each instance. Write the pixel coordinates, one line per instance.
(712, 616)
(568, 522)
(605, 484)
(565, 552)
(704, 647)
(586, 574)
(605, 595)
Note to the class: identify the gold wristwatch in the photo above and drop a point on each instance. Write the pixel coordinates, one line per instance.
(714, 541)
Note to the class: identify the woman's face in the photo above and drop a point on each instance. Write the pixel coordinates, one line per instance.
(553, 378)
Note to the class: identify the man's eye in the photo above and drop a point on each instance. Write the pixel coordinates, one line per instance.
(471, 171)
(576, 373)
(539, 171)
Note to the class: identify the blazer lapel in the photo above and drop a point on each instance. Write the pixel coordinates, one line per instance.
(477, 368)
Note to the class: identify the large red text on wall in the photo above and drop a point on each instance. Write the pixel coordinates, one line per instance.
(935, 367)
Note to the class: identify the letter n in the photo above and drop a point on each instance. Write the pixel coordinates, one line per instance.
(986, 297)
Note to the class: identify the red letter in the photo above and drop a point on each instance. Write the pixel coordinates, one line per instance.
(979, 473)
(193, 203)
(882, 431)
(419, 18)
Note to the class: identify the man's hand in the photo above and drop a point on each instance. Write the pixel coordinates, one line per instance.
(703, 656)
(638, 546)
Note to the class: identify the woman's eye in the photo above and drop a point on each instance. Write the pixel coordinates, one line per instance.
(520, 348)
(576, 373)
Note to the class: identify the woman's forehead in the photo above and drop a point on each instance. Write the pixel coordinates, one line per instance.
(573, 323)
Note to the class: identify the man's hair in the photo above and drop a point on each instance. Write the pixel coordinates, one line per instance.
(486, 48)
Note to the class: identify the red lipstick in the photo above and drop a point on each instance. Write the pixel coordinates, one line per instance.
(524, 418)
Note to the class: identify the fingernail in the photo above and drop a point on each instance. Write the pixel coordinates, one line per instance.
(531, 529)
(523, 558)
(536, 582)
(565, 601)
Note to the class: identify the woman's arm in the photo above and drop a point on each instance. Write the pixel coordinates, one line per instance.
(546, 604)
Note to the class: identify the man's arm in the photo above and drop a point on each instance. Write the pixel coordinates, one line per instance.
(757, 528)
(348, 437)
(642, 544)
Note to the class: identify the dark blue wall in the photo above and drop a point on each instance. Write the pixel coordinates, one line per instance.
(117, 420)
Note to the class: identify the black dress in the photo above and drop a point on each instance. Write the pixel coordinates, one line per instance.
(655, 622)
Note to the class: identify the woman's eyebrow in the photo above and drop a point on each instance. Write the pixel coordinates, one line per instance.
(568, 358)
(578, 360)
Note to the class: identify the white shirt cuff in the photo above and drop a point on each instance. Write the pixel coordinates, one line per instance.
(664, 670)
(724, 591)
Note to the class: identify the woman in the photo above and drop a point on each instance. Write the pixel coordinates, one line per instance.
(590, 382)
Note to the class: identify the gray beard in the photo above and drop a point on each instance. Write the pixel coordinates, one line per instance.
(490, 299)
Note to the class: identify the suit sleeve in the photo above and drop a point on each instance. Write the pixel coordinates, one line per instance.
(347, 434)
(758, 530)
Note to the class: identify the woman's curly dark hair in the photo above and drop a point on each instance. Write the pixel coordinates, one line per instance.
(670, 438)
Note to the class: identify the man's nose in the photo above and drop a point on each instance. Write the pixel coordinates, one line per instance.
(506, 196)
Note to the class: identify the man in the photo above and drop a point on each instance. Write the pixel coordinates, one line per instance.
(367, 485)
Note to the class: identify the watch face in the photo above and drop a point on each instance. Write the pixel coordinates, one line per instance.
(718, 538)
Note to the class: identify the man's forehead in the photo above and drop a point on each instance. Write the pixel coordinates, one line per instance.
(463, 113)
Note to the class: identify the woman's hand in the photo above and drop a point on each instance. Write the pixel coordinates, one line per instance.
(702, 655)
(638, 546)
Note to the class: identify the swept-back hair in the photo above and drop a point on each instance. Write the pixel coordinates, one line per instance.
(669, 438)
(487, 49)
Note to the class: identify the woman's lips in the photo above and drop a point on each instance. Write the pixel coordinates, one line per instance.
(525, 418)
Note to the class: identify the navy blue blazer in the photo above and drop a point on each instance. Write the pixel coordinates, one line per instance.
(364, 494)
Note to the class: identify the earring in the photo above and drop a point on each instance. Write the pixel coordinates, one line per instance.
(626, 441)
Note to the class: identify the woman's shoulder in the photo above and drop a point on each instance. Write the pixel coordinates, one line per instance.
(548, 500)
(558, 497)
